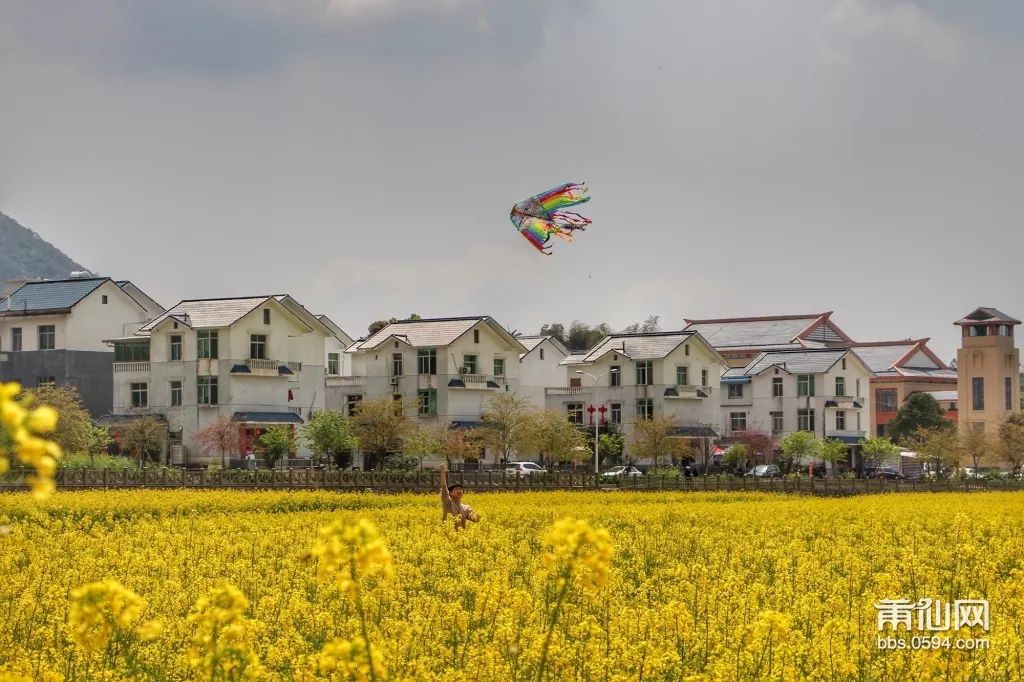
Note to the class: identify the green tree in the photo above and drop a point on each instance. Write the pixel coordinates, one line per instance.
(549, 435)
(737, 457)
(555, 329)
(278, 442)
(656, 440)
(421, 441)
(609, 447)
(976, 446)
(223, 435)
(651, 324)
(143, 439)
(834, 452)
(100, 441)
(329, 436)
(937, 446)
(1011, 441)
(798, 447)
(919, 411)
(74, 426)
(502, 424)
(878, 450)
(380, 425)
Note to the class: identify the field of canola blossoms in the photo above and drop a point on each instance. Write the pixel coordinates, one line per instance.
(186, 585)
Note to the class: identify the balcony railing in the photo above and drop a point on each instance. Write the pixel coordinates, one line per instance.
(346, 381)
(131, 367)
(263, 365)
(567, 390)
(474, 381)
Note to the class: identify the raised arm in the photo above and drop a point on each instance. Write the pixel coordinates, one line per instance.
(444, 484)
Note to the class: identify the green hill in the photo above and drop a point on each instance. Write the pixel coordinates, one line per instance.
(23, 253)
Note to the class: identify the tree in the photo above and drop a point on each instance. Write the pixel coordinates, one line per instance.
(877, 450)
(278, 442)
(554, 329)
(380, 324)
(834, 451)
(974, 446)
(937, 446)
(582, 336)
(99, 441)
(797, 447)
(655, 439)
(610, 446)
(421, 441)
(502, 424)
(143, 438)
(919, 411)
(460, 444)
(1011, 441)
(646, 327)
(760, 445)
(329, 436)
(380, 425)
(74, 426)
(737, 457)
(550, 436)
(223, 436)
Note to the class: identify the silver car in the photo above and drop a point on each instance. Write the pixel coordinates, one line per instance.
(524, 469)
(619, 471)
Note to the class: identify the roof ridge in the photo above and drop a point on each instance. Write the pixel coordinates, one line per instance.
(900, 342)
(224, 298)
(616, 335)
(442, 319)
(762, 318)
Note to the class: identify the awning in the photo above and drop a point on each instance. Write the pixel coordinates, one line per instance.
(240, 369)
(267, 418)
(736, 380)
(112, 419)
(696, 432)
(853, 440)
(671, 392)
(456, 383)
(831, 403)
(464, 425)
(284, 369)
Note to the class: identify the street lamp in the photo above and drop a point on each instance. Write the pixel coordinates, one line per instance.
(597, 422)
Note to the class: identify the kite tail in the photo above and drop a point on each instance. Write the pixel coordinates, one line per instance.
(569, 194)
(569, 221)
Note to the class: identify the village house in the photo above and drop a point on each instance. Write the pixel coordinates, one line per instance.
(988, 369)
(260, 360)
(540, 367)
(52, 332)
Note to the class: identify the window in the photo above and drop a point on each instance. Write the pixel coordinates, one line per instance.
(840, 386)
(616, 413)
(103, 299)
(805, 385)
(207, 391)
(396, 365)
(778, 423)
(140, 395)
(176, 348)
(541, 353)
(885, 400)
(880, 430)
(206, 343)
(258, 346)
(1004, 330)
(426, 361)
(978, 393)
(844, 367)
(574, 412)
(426, 402)
(644, 409)
(840, 421)
(738, 421)
(266, 316)
(476, 336)
(469, 364)
(46, 381)
(777, 387)
(682, 376)
(858, 420)
(805, 420)
(175, 394)
(333, 363)
(352, 404)
(704, 378)
(615, 376)
(131, 352)
(1008, 390)
(499, 367)
(15, 338)
(575, 382)
(735, 391)
(645, 373)
(857, 387)
(978, 331)
(47, 337)
(686, 350)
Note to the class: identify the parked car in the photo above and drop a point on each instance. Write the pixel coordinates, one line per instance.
(522, 469)
(764, 471)
(620, 471)
(887, 472)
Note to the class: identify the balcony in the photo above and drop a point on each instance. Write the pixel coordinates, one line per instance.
(474, 382)
(568, 390)
(345, 380)
(131, 368)
(844, 402)
(262, 367)
(687, 392)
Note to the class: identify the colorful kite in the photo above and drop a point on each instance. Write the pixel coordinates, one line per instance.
(541, 216)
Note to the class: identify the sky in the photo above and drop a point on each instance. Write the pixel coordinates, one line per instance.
(744, 158)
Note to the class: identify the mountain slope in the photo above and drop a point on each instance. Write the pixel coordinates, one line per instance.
(23, 253)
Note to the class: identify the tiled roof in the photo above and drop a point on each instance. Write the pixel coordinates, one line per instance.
(796, 362)
(57, 295)
(912, 372)
(639, 346)
(752, 331)
(883, 358)
(945, 396)
(531, 342)
(267, 418)
(987, 315)
(574, 359)
(209, 313)
(424, 333)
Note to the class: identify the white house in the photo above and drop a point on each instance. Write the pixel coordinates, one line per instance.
(627, 377)
(53, 331)
(259, 360)
(821, 390)
(445, 369)
(335, 346)
(540, 367)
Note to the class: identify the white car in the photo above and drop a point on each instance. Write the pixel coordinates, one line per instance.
(623, 471)
(524, 469)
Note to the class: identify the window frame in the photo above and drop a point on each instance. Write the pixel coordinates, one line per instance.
(48, 331)
(17, 339)
(886, 405)
(175, 346)
(1008, 391)
(178, 390)
(207, 344)
(840, 387)
(397, 364)
(615, 376)
(211, 395)
(426, 358)
(806, 417)
(426, 402)
(352, 403)
(334, 358)
(471, 368)
(266, 316)
(805, 385)
(778, 422)
(574, 413)
(978, 394)
(840, 420)
(499, 367)
(778, 387)
(645, 369)
(615, 413)
(735, 391)
(647, 411)
(138, 395)
(46, 381)
(737, 418)
(683, 375)
(704, 378)
(258, 346)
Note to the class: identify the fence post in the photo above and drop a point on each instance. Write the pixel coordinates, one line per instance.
(202, 478)
(104, 478)
(291, 478)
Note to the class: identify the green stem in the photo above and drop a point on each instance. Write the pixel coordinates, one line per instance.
(362, 617)
(567, 576)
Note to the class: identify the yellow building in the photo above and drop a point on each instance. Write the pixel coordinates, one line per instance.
(988, 369)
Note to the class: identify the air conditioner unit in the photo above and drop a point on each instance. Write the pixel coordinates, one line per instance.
(393, 381)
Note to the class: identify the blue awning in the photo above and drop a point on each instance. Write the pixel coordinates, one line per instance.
(465, 425)
(284, 369)
(736, 380)
(853, 440)
(267, 418)
(456, 383)
(671, 391)
(240, 369)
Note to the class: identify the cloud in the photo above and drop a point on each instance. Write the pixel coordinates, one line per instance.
(231, 37)
(902, 21)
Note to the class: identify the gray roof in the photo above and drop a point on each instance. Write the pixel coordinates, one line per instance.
(56, 295)
(433, 332)
(945, 396)
(987, 315)
(210, 313)
(574, 359)
(884, 358)
(639, 346)
(531, 342)
(267, 417)
(796, 362)
(748, 332)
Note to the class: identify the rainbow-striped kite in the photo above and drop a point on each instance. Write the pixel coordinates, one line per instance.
(541, 216)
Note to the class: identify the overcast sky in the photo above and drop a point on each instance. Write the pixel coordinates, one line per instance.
(744, 158)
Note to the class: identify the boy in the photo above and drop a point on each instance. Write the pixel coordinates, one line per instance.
(451, 502)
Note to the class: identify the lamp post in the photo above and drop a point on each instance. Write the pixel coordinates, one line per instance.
(597, 422)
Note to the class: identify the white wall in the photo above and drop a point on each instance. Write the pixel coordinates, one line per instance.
(91, 321)
(537, 373)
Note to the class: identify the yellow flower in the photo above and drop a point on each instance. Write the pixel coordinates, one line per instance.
(578, 550)
(100, 611)
(349, 660)
(221, 636)
(43, 419)
(350, 551)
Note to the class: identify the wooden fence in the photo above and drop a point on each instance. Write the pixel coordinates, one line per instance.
(427, 481)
